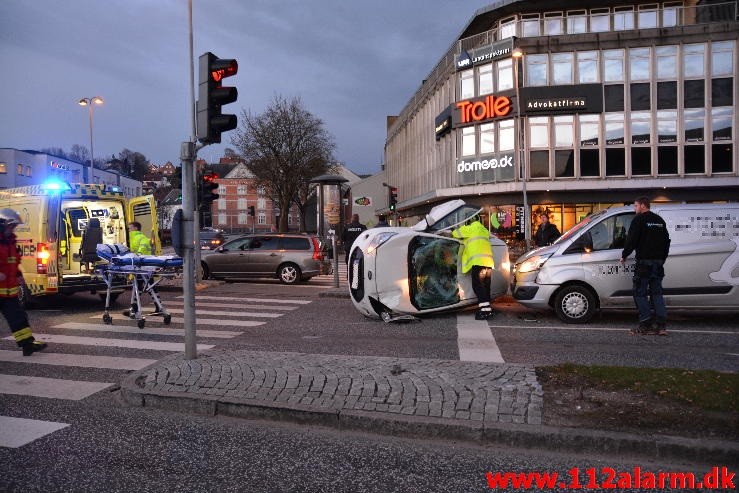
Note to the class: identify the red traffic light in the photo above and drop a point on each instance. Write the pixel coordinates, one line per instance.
(222, 68)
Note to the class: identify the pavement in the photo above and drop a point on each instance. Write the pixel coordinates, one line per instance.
(483, 403)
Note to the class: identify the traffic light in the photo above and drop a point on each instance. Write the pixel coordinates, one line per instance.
(251, 211)
(212, 95)
(393, 197)
(209, 194)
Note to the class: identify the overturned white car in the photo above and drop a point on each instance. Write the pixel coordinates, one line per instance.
(413, 271)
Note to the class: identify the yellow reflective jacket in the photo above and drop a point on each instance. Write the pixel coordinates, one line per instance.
(477, 249)
(139, 243)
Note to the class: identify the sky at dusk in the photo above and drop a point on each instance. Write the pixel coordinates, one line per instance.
(352, 63)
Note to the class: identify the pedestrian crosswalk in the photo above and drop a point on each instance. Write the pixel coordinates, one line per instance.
(229, 314)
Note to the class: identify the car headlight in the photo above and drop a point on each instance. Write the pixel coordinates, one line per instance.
(533, 264)
(378, 240)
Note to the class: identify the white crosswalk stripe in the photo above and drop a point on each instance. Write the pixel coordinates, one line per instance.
(232, 312)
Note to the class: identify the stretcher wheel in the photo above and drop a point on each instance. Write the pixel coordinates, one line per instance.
(141, 323)
(107, 319)
(167, 319)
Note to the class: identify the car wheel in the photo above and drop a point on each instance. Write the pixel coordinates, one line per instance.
(289, 274)
(24, 295)
(204, 271)
(575, 304)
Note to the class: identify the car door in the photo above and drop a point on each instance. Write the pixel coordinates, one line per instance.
(230, 259)
(264, 256)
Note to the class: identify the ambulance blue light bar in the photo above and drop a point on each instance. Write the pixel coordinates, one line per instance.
(55, 186)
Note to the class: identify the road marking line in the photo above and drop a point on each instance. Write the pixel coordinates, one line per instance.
(79, 360)
(198, 321)
(53, 388)
(608, 329)
(250, 300)
(125, 329)
(16, 432)
(121, 343)
(234, 305)
(475, 340)
(200, 311)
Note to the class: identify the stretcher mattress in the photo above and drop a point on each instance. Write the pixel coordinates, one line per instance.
(119, 256)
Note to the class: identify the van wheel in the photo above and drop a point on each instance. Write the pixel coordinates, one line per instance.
(289, 274)
(204, 271)
(24, 295)
(575, 304)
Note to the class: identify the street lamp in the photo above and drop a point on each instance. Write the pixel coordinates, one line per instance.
(517, 54)
(89, 102)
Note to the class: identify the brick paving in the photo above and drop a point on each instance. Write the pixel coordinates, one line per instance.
(456, 390)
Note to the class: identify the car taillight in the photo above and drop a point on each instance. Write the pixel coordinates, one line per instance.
(317, 255)
(42, 258)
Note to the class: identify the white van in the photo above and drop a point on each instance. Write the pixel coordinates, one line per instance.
(56, 238)
(582, 273)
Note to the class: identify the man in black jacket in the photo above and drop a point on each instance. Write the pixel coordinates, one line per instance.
(547, 232)
(648, 235)
(351, 233)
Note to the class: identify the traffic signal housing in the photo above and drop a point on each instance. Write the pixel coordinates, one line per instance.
(208, 188)
(251, 211)
(211, 122)
(393, 200)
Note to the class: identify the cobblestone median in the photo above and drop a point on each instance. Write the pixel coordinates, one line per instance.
(478, 392)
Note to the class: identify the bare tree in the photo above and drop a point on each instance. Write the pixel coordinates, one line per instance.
(285, 147)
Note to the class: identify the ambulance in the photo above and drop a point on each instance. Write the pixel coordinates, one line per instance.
(58, 221)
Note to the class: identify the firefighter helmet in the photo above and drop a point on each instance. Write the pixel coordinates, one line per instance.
(8, 217)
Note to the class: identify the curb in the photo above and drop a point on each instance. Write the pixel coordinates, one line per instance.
(541, 437)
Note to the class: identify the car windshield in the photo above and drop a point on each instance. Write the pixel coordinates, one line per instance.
(433, 272)
(456, 217)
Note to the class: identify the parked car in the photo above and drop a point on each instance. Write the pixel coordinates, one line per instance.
(582, 273)
(397, 271)
(291, 258)
(211, 238)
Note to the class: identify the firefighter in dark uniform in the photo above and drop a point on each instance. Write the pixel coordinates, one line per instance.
(10, 305)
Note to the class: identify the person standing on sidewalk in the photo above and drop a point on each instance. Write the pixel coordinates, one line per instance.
(351, 233)
(648, 236)
(547, 232)
(477, 259)
(10, 305)
(382, 222)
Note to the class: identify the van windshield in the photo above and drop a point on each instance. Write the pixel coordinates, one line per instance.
(577, 227)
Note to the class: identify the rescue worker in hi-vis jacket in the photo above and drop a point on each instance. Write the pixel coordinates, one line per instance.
(10, 305)
(477, 259)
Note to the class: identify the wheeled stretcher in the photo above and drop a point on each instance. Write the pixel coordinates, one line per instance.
(147, 271)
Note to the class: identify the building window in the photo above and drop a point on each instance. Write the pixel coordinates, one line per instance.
(537, 67)
(28, 171)
(694, 158)
(694, 125)
(539, 132)
(694, 60)
(667, 160)
(261, 203)
(614, 97)
(530, 25)
(3, 168)
(466, 84)
(505, 135)
(539, 164)
(721, 157)
(261, 218)
(505, 74)
(222, 218)
(487, 138)
(669, 14)
(722, 58)
(600, 21)
(666, 126)
(577, 22)
(241, 204)
(221, 204)
(666, 62)
(613, 66)
(641, 124)
(722, 91)
(562, 68)
(564, 163)
(19, 169)
(641, 161)
(623, 18)
(553, 24)
(721, 119)
(242, 219)
(667, 95)
(241, 190)
(694, 94)
(468, 141)
(615, 161)
(614, 129)
(289, 220)
(260, 190)
(587, 67)
(639, 64)
(647, 16)
(507, 28)
(589, 163)
(589, 130)
(485, 79)
(640, 97)
(563, 131)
